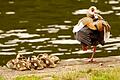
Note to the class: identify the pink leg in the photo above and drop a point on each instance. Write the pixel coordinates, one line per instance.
(84, 47)
(94, 50)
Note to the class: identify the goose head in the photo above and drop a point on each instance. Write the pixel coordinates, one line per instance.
(92, 11)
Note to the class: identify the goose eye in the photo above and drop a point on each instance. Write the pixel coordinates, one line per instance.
(92, 9)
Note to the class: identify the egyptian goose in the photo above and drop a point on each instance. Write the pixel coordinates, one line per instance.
(91, 30)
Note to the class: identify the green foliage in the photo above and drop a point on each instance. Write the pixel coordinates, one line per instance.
(32, 77)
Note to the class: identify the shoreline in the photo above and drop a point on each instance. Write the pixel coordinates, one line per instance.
(64, 66)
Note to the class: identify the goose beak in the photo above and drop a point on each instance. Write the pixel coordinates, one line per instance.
(96, 11)
(96, 17)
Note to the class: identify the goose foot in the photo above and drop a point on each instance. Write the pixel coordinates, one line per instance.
(91, 60)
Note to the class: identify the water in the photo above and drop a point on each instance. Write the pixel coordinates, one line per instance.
(45, 26)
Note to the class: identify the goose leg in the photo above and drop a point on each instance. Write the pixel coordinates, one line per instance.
(84, 47)
(91, 58)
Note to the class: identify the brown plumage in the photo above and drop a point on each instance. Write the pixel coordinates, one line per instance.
(91, 31)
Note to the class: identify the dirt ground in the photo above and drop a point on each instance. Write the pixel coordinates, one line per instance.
(64, 65)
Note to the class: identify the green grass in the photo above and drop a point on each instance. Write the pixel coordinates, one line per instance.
(96, 74)
(107, 74)
(1, 78)
(32, 77)
(89, 74)
(72, 75)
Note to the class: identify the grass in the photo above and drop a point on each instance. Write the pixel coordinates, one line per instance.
(107, 74)
(32, 77)
(89, 74)
(1, 78)
(72, 75)
(96, 74)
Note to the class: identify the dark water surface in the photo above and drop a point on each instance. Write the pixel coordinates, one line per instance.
(45, 26)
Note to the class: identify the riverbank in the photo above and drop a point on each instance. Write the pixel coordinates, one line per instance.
(65, 66)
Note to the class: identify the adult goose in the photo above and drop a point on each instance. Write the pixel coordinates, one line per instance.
(91, 31)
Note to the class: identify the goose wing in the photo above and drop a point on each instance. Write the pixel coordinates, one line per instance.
(86, 21)
(107, 29)
(104, 29)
